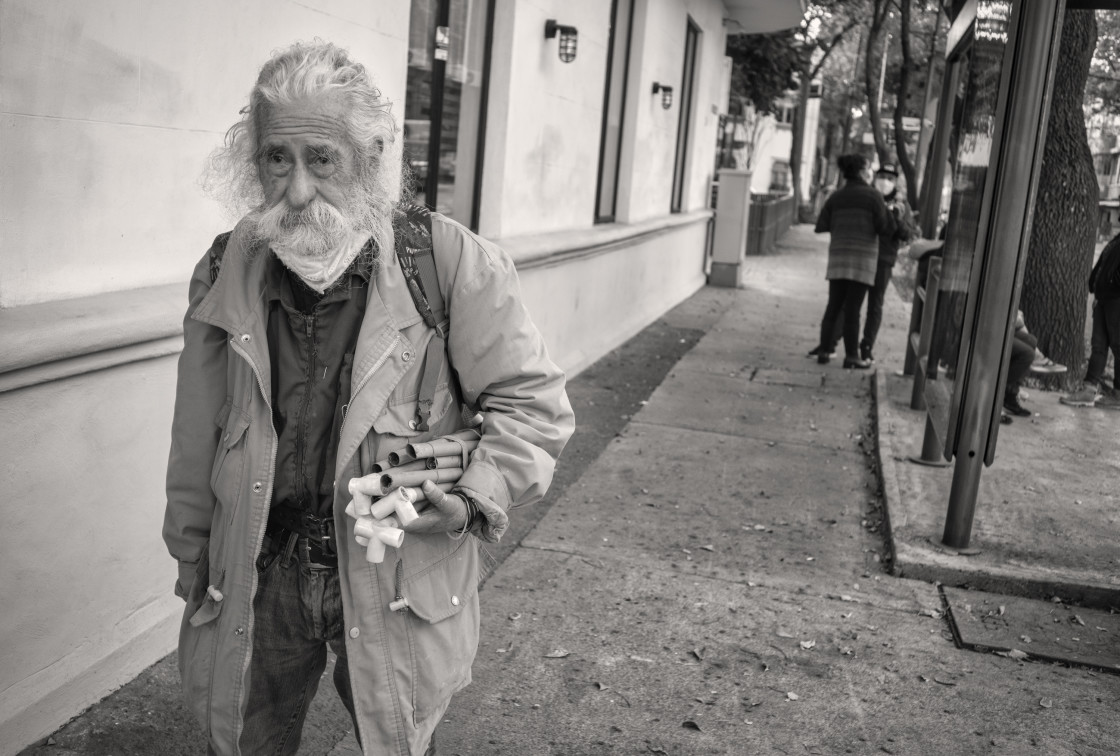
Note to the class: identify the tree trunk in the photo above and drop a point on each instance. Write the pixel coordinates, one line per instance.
(871, 66)
(1055, 284)
(904, 161)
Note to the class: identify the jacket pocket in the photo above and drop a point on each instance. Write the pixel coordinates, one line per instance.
(198, 638)
(401, 419)
(225, 477)
(443, 627)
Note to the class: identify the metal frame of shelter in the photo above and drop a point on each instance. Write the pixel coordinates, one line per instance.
(989, 226)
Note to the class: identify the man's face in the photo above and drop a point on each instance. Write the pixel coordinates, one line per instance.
(885, 183)
(307, 172)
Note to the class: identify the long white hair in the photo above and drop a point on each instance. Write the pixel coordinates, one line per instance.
(307, 71)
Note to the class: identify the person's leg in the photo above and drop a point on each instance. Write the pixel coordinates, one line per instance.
(875, 299)
(1088, 395)
(1098, 345)
(853, 302)
(289, 657)
(1022, 355)
(831, 315)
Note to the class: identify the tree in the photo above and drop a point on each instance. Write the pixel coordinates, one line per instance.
(763, 67)
(1055, 284)
(872, 62)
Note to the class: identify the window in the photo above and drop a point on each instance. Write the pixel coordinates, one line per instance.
(614, 98)
(680, 164)
(779, 177)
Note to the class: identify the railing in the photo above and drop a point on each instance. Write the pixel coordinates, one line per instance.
(770, 217)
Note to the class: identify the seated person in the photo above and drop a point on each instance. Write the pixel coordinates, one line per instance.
(1025, 357)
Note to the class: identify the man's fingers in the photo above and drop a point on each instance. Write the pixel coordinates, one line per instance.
(434, 494)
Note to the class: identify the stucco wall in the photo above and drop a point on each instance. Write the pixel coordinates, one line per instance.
(109, 110)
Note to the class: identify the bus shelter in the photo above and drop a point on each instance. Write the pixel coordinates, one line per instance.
(988, 146)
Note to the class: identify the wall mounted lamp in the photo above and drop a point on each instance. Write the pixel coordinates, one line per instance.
(666, 94)
(568, 36)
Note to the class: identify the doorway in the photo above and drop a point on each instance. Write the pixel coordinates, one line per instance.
(445, 105)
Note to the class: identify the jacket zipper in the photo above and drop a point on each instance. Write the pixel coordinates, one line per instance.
(264, 524)
(301, 421)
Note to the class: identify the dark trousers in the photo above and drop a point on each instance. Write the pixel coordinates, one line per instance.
(1022, 355)
(845, 298)
(875, 304)
(1105, 336)
(875, 297)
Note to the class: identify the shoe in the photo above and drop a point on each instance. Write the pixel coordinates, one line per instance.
(819, 352)
(823, 358)
(1048, 366)
(1086, 397)
(856, 363)
(1011, 404)
(1109, 402)
(865, 353)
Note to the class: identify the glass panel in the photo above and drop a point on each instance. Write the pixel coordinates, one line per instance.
(683, 99)
(970, 152)
(443, 108)
(612, 113)
(418, 101)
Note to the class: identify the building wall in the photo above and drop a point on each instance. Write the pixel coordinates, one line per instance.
(108, 112)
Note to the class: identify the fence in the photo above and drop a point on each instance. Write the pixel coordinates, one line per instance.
(770, 217)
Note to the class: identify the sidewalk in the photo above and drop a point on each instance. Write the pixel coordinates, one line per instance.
(716, 578)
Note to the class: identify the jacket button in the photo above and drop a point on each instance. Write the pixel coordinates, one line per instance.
(454, 600)
(246, 338)
(412, 424)
(355, 632)
(406, 355)
(257, 487)
(239, 631)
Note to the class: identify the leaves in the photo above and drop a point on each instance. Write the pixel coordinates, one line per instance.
(558, 653)
(808, 644)
(689, 724)
(791, 696)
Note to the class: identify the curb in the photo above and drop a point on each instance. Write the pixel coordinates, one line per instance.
(944, 566)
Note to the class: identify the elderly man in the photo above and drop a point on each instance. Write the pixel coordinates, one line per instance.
(303, 358)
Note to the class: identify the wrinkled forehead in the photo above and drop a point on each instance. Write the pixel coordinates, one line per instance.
(317, 121)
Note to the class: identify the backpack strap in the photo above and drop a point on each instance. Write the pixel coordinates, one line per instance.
(217, 253)
(413, 233)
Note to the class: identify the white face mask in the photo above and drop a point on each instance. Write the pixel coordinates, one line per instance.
(320, 272)
(884, 185)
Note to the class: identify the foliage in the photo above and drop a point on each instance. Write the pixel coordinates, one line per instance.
(764, 67)
(1102, 91)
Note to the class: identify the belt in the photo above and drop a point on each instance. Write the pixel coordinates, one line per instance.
(291, 532)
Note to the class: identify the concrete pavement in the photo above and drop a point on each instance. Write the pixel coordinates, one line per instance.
(717, 577)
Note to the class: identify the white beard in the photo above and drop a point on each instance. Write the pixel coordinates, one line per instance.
(317, 244)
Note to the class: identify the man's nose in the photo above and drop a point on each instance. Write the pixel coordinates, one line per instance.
(301, 188)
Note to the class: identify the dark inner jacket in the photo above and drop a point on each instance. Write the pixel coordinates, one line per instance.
(311, 340)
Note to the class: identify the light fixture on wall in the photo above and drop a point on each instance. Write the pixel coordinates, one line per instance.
(568, 37)
(666, 94)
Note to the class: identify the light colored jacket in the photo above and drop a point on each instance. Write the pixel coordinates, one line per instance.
(404, 666)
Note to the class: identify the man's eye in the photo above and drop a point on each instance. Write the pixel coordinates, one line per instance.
(322, 159)
(276, 157)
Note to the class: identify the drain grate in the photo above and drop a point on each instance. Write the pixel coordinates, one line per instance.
(1032, 629)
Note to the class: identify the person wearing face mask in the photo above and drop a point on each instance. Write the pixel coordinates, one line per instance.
(886, 181)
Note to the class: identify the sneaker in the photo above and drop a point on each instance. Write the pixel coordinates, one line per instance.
(1011, 404)
(1088, 396)
(856, 363)
(865, 353)
(1047, 366)
(1108, 401)
(820, 351)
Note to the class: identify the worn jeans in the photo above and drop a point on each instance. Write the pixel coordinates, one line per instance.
(1105, 336)
(298, 613)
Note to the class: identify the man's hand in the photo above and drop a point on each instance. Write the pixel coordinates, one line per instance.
(447, 513)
